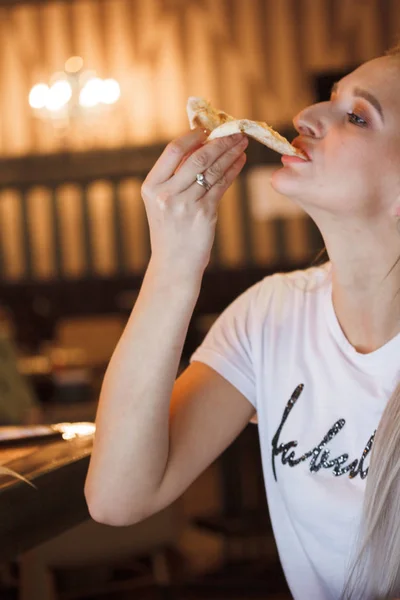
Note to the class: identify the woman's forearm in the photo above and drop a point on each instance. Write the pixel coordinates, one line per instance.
(131, 445)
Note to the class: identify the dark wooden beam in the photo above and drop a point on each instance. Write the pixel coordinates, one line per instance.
(76, 166)
(96, 164)
(11, 3)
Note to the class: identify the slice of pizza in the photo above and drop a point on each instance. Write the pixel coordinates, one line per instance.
(202, 114)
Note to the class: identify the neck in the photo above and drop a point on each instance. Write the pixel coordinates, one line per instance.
(365, 258)
(367, 304)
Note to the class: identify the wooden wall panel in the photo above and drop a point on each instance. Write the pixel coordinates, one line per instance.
(72, 245)
(254, 58)
(11, 235)
(41, 233)
(102, 236)
(134, 226)
(229, 230)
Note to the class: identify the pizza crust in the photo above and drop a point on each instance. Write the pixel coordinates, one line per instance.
(202, 114)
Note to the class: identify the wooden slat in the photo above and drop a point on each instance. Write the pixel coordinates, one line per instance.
(69, 207)
(262, 242)
(26, 235)
(41, 232)
(117, 228)
(298, 243)
(11, 234)
(102, 233)
(87, 233)
(56, 229)
(245, 219)
(279, 238)
(233, 251)
(2, 257)
(134, 230)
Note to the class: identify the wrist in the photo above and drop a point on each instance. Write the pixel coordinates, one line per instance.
(174, 279)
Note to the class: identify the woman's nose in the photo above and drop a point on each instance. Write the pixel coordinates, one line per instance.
(313, 120)
(302, 128)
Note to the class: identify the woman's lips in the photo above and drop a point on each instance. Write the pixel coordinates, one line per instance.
(288, 160)
(297, 143)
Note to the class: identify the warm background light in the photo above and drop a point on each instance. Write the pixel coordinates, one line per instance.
(74, 64)
(38, 95)
(111, 91)
(91, 93)
(59, 95)
(70, 95)
(161, 53)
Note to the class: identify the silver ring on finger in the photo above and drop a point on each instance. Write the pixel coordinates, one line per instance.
(201, 180)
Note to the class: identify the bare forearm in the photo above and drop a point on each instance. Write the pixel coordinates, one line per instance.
(132, 438)
(131, 447)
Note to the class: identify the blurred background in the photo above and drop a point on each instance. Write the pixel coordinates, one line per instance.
(91, 92)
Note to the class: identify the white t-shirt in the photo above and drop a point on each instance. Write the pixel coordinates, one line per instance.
(280, 340)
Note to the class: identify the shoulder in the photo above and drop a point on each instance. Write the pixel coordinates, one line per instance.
(285, 288)
(304, 280)
(275, 298)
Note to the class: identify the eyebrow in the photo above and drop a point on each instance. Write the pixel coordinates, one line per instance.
(360, 93)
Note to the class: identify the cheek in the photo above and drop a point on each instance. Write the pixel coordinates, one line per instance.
(337, 174)
(359, 177)
(340, 159)
(351, 168)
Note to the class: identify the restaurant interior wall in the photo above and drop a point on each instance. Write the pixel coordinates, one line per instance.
(258, 59)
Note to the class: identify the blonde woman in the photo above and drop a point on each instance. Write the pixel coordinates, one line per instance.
(315, 353)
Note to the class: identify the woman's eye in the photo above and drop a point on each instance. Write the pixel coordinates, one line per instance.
(356, 120)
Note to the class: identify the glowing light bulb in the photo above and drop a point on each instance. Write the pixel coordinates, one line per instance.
(38, 95)
(59, 95)
(91, 93)
(74, 64)
(110, 92)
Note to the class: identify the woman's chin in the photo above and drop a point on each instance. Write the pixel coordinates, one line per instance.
(284, 181)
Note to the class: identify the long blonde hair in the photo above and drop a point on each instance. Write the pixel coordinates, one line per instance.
(375, 571)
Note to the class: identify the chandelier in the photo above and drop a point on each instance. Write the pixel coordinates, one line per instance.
(72, 95)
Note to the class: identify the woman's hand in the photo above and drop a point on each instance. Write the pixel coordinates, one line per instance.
(181, 213)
